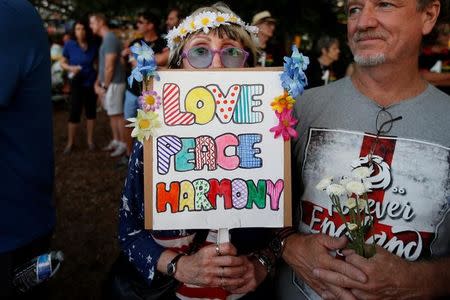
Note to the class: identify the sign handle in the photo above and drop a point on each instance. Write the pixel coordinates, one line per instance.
(223, 236)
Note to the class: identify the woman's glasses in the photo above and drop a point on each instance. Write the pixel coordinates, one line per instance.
(383, 124)
(201, 57)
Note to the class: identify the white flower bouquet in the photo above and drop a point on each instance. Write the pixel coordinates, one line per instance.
(349, 198)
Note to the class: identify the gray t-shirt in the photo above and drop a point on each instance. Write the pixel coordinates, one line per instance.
(111, 45)
(410, 201)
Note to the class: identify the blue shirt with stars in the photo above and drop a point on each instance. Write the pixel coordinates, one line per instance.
(143, 247)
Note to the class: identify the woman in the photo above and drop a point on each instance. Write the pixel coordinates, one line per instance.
(320, 71)
(78, 60)
(214, 271)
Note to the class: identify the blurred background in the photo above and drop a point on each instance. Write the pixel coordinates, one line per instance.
(89, 183)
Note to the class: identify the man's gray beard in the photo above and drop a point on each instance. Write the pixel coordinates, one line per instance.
(370, 61)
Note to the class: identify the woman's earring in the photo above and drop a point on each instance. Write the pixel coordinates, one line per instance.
(179, 61)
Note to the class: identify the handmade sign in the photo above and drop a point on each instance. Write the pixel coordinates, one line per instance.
(214, 163)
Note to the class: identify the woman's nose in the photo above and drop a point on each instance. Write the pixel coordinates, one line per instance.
(217, 62)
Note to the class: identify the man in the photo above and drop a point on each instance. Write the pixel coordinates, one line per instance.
(387, 117)
(173, 18)
(110, 83)
(27, 214)
(270, 54)
(147, 26)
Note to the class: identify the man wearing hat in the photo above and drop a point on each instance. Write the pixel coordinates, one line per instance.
(270, 51)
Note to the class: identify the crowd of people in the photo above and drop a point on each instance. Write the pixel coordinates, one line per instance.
(110, 62)
(386, 113)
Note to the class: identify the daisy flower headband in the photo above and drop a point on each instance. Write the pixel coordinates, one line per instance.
(205, 21)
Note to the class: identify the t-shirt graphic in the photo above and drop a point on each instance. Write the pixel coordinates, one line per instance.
(410, 198)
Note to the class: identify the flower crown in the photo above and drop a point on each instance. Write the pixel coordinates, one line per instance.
(205, 21)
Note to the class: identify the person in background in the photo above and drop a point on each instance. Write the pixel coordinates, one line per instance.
(270, 52)
(78, 60)
(110, 84)
(174, 17)
(56, 48)
(66, 37)
(320, 70)
(147, 26)
(388, 122)
(215, 271)
(434, 62)
(27, 214)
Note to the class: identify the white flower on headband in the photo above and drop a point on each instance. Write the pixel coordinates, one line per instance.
(205, 21)
(221, 18)
(252, 29)
(190, 25)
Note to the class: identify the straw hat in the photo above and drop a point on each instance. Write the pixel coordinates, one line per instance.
(263, 16)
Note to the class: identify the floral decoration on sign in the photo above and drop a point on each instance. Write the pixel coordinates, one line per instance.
(283, 102)
(150, 101)
(349, 198)
(146, 64)
(144, 124)
(146, 120)
(284, 127)
(293, 80)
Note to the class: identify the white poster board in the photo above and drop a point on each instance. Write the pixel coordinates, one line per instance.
(214, 163)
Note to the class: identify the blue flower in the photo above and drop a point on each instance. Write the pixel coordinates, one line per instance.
(148, 69)
(143, 53)
(293, 78)
(135, 75)
(146, 63)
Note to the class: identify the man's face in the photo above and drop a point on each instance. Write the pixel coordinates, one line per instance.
(384, 31)
(94, 24)
(172, 20)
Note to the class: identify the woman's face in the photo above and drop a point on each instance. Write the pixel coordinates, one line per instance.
(80, 32)
(333, 51)
(210, 51)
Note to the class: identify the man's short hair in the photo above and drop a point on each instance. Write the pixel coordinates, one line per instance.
(100, 17)
(180, 14)
(151, 18)
(421, 4)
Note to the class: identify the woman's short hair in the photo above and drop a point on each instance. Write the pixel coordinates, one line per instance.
(325, 42)
(231, 31)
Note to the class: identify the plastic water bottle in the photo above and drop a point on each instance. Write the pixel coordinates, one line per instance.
(71, 75)
(37, 270)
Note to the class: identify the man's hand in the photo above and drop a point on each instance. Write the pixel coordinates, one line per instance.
(99, 90)
(389, 276)
(304, 253)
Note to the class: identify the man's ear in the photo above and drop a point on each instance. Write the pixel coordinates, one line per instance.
(430, 14)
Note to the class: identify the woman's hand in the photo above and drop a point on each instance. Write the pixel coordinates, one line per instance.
(212, 268)
(255, 274)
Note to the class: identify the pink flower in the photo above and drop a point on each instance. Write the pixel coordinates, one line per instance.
(150, 101)
(284, 128)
